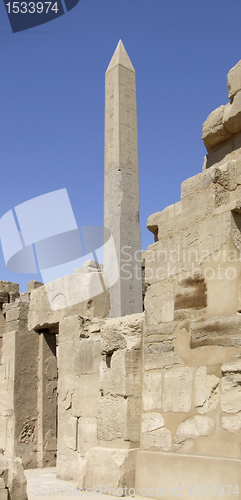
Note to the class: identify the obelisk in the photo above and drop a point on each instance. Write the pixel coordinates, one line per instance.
(121, 205)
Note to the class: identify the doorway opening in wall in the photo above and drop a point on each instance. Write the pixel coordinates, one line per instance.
(47, 396)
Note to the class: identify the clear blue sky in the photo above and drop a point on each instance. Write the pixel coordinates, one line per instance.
(52, 99)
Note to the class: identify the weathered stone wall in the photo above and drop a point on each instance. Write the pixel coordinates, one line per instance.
(192, 337)
(99, 399)
(221, 130)
(191, 396)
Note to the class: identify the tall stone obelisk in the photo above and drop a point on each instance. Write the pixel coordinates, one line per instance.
(121, 206)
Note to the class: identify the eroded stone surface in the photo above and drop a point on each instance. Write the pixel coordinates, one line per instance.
(177, 389)
(112, 467)
(152, 390)
(194, 428)
(160, 439)
(206, 390)
(151, 422)
(213, 130)
(216, 331)
(231, 423)
(234, 80)
(231, 400)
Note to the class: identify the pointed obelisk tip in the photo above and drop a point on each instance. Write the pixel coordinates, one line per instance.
(121, 57)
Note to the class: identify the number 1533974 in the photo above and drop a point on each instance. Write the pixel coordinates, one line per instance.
(31, 7)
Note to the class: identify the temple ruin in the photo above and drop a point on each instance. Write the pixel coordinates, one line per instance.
(148, 401)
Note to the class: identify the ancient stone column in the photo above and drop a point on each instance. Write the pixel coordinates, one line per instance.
(121, 207)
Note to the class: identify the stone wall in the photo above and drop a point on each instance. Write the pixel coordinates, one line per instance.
(99, 399)
(191, 396)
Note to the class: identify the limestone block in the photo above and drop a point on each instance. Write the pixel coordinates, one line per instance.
(177, 389)
(194, 428)
(110, 466)
(207, 177)
(71, 328)
(214, 233)
(162, 471)
(132, 419)
(111, 418)
(231, 423)
(159, 303)
(85, 396)
(3, 431)
(190, 292)
(2, 483)
(31, 285)
(87, 357)
(4, 494)
(3, 471)
(234, 80)
(230, 381)
(160, 355)
(206, 391)
(191, 185)
(231, 400)
(160, 332)
(70, 433)
(165, 258)
(223, 152)
(118, 333)
(194, 208)
(236, 228)
(8, 286)
(152, 390)
(232, 115)
(232, 367)
(160, 439)
(189, 255)
(16, 316)
(213, 131)
(226, 176)
(4, 297)
(50, 441)
(222, 196)
(71, 466)
(16, 481)
(163, 223)
(151, 422)
(41, 315)
(123, 375)
(118, 418)
(87, 434)
(238, 170)
(216, 331)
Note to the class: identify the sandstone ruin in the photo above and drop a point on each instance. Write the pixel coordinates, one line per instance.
(149, 401)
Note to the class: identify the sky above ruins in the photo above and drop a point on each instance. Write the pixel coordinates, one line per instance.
(52, 100)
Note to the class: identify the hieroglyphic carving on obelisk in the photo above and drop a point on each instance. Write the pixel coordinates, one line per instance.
(121, 206)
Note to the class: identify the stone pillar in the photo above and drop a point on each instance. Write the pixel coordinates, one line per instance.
(8, 293)
(47, 400)
(18, 385)
(121, 206)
